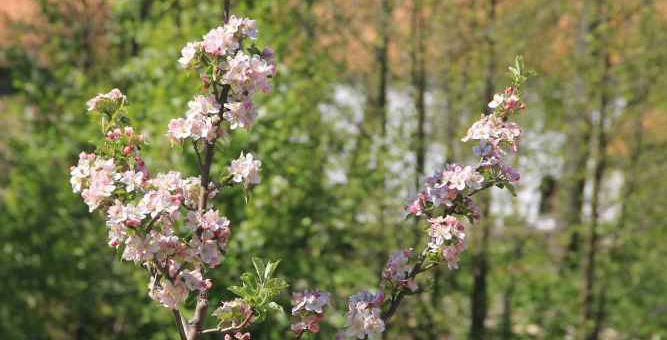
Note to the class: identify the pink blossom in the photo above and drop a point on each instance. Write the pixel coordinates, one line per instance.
(309, 301)
(363, 316)
(116, 235)
(178, 129)
(169, 294)
(246, 27)
(137, 249)
(194, 280)
(397, 269)
(102, 100)
(494, 130)
(132, 180)
(200, 122)
(210, 253)
(81, 172)
(169, 181)
(212, 221)
(188, 53)
(238, 336)
(417, 206)
(451, 254)
(444, 230)
(160, 201)
(220, 41)
(240, 114)
(101, 183)
(237, 70)
(203, 105)
(309, 323)
(507, 100)
(459, 177)
(245, 169)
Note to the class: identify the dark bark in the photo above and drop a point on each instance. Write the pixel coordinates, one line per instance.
(590, 265)
(382, 55)
(419, 86)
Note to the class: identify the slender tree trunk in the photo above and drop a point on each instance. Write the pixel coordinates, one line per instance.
(382, 55)
(480, 259)
(419, 87)
(508, 294)
(587, 295)
(645, 79)
(578, 152)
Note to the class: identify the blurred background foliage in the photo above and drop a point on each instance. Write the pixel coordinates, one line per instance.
(369, 97)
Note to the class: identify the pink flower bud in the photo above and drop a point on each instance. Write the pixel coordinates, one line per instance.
(132, 223)
(127, 150)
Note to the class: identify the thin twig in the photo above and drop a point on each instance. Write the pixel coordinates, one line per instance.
(233, 327)
(199, 163)
(179, 324)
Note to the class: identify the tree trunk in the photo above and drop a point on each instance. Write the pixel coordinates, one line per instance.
(578, 152)
(645, 79)
(382, 55)
(419, 87)
(587, 295)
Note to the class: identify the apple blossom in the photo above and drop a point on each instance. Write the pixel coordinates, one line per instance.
(188, 53)
(245, 169)
(363, 316)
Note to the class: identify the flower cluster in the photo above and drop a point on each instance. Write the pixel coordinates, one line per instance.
(397, 270)
(446, 188)
(364, 316)
(497, 135)
(93, 178)
(445, 194)
(448, 192)
(241, 73)
(156, 220)
(200, 120)
(107, 102)
(308, 307)
(447, 235)
(506, 101)
(165, 222)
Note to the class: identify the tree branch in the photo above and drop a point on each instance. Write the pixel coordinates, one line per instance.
(195, 324)
(179, 324)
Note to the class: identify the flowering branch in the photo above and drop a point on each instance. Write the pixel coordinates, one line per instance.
(445, 195)
(165, 222)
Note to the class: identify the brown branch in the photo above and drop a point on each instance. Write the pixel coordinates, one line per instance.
(179, 324)
(195, 324)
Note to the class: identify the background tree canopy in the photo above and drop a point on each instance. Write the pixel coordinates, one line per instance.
(370, 96)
